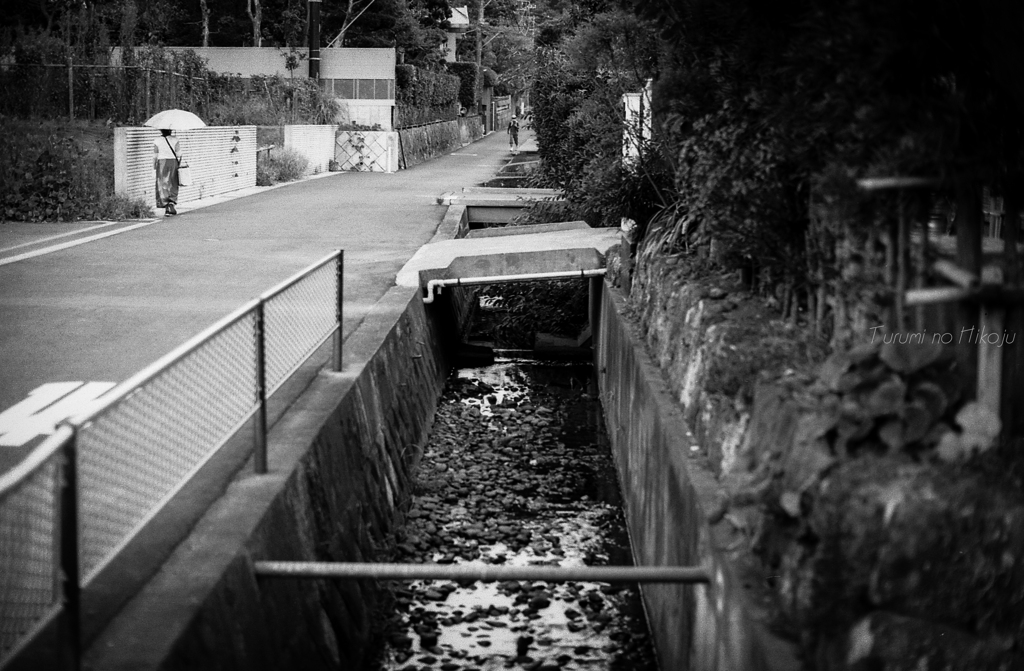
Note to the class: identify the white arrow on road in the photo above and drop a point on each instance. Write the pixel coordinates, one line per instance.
(45, 407)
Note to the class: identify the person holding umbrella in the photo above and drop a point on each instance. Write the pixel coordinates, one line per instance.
(168, 161)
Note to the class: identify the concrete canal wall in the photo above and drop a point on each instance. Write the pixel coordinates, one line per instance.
(340, 465)
(666, 493)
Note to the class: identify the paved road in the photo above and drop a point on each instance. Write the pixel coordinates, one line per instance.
(103, 310)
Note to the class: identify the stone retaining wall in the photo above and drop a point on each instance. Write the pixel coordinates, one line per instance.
(423, 143)
(866, 553)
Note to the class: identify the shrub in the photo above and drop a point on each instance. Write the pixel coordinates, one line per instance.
(423, 96)
(121, 208)
(285, 165)
(469, 83)
(54, 177)
(526, 308)
(271, 101)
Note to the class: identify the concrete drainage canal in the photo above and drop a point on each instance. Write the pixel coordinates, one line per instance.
(517, 472)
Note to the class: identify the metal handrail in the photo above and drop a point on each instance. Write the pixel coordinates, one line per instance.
(65, 439)
(298, 277)
(35, 460)
(482, 573)
(121, 391)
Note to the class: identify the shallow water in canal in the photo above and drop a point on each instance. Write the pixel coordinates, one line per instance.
(517, 472)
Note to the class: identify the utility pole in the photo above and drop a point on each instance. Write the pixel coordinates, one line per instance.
(314, 39)
(479, 55)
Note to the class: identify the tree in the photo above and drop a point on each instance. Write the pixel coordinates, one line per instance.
(353, 10)
(255, 12)
(204, 10)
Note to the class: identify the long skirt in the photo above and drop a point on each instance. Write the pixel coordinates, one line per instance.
(166, 182)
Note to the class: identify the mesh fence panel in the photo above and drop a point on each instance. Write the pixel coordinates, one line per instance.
(138, 452)
(362, 151)
(29, 559)
(126, 94)
(297, 320)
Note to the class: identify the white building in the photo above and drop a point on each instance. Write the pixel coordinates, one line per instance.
(362, 80)
(458, 25)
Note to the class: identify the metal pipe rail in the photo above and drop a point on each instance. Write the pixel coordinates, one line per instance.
(482, 573)
(51, 547)
(501, 279)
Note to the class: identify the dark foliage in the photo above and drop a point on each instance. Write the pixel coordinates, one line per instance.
(425, 96)
(469, 82)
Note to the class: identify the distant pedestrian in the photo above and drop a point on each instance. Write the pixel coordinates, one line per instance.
(166, 158)
(513, 134)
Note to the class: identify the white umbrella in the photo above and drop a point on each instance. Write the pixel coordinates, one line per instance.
(174, 120)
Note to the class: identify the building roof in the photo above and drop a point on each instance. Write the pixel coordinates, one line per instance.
(459, 23)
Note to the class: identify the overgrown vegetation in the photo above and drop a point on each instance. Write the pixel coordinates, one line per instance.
(518, 311)
(577, 98)
(424, 96)
(280, 165)
(469, 82)
(270, 100)
(51, 176)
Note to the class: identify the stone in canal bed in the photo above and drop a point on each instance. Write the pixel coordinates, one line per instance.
(401, 641)
(539, 602)
(428, 639)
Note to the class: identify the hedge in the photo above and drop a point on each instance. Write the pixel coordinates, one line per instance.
(424, 96)
(469, 82)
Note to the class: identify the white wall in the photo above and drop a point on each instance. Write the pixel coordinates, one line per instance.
(334, 63)
(365, 113)
(637, 127)
(222, 158)
(316, 143)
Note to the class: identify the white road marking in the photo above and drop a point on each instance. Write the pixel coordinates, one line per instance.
(57, 237)
(45, 407)
(74, 243)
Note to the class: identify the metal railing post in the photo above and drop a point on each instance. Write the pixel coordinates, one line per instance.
(260, 453)
(69, 557)
(339, 297)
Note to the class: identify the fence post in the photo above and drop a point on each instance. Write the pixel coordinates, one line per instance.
(339, 298)
(968, 257)
(1013, 356)
(71, 638)
(260, 454)
(71, 89)
(146, 85)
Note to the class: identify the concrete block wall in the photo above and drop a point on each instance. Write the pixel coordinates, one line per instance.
(222, 158)
(665, 493)
(316, 143)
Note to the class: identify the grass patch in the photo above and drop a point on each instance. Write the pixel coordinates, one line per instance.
(285, 165)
